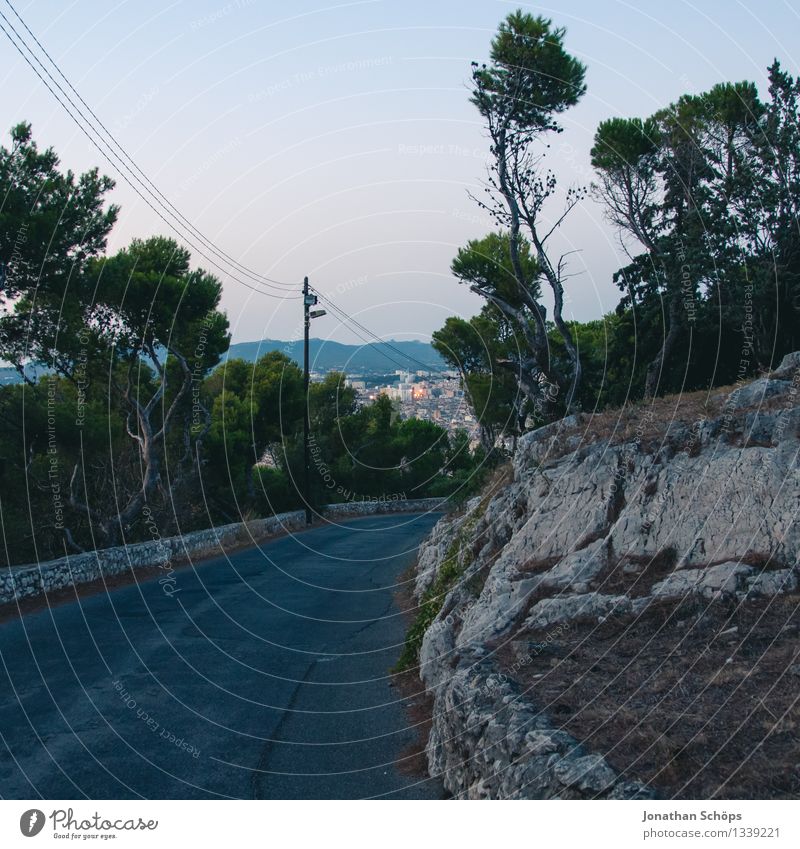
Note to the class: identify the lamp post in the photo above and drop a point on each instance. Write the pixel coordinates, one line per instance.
(309, 301)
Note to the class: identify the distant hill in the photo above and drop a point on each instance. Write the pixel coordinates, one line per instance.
(9, 375)
(324, 356)
(354, 359)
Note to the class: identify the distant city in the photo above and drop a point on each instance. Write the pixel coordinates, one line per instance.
(431, 396)
(432, 393)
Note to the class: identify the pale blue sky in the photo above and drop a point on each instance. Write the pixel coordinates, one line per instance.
(337, 140)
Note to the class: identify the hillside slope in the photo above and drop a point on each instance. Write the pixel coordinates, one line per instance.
(327, 355)
(620, 619)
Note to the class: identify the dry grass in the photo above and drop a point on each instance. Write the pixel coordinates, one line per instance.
(500, 478)
(657, 422)
(650, 419)
(701, 702)
(538, 565)
(418, 707)
(417, 703)
(647, 422)
(635, 574)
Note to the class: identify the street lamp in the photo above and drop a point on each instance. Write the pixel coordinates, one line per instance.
(309, 301)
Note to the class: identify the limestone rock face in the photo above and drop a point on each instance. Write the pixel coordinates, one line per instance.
(554, 611)
(592, 527)
(711, 583)
(759, 391)
(489, 743)
(789, 367)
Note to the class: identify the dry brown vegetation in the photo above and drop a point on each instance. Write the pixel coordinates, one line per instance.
(500, 478)
(646, 421)
(635, 575)
(657, 422)
(418, 708)
(417, 703)
(700, 701)
(649, 420)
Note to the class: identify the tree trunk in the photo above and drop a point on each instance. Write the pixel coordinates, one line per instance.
(554, 279)
(538, 338)
(656, 367)
(487, 438)
(569, 344)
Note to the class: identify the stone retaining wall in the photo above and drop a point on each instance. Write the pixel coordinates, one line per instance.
(19, 582)
(488, 742)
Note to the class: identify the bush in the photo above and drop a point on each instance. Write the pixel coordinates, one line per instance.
(274, 491)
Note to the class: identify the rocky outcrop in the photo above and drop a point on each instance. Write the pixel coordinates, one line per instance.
(488, 742)
(593, 527)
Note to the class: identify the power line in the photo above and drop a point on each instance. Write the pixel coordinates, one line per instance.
(352, 321)
(344, 317)
(250, 272)
(100, 144)
(163, 204)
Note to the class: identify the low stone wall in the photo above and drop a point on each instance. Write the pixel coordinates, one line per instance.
(489, 742)
(352, 509)
(20, 582)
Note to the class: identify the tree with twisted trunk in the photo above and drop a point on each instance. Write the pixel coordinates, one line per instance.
(144, 328)
(530, 80)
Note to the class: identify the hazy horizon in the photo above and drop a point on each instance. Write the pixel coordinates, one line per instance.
(338, 141)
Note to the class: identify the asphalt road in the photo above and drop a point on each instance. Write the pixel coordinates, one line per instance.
(261, 676)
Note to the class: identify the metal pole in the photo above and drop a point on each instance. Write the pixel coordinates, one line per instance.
(306, 421)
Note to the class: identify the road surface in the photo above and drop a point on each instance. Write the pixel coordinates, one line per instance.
(261, 676)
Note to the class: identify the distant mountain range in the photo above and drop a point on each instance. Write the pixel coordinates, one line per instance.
(10, 376)
(325, 355)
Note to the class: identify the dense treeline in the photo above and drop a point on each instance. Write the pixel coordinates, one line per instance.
(133, 429)
(705, 196)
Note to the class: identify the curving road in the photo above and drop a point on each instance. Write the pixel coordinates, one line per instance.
(263, 676)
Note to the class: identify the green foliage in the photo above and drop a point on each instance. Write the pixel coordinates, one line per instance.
(51, 222)
(484, 350)
(254, 407)
(450, 571)
(45, 431)
(254, 449)
(146, 297)
(372, 454)
(330, 400)
(531, 77)
(708, 188)
(486, 263)
(608, 348)
(274, 491)
(625, 143)
(529, 81)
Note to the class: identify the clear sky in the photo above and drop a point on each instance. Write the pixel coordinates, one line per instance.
(337, 140)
